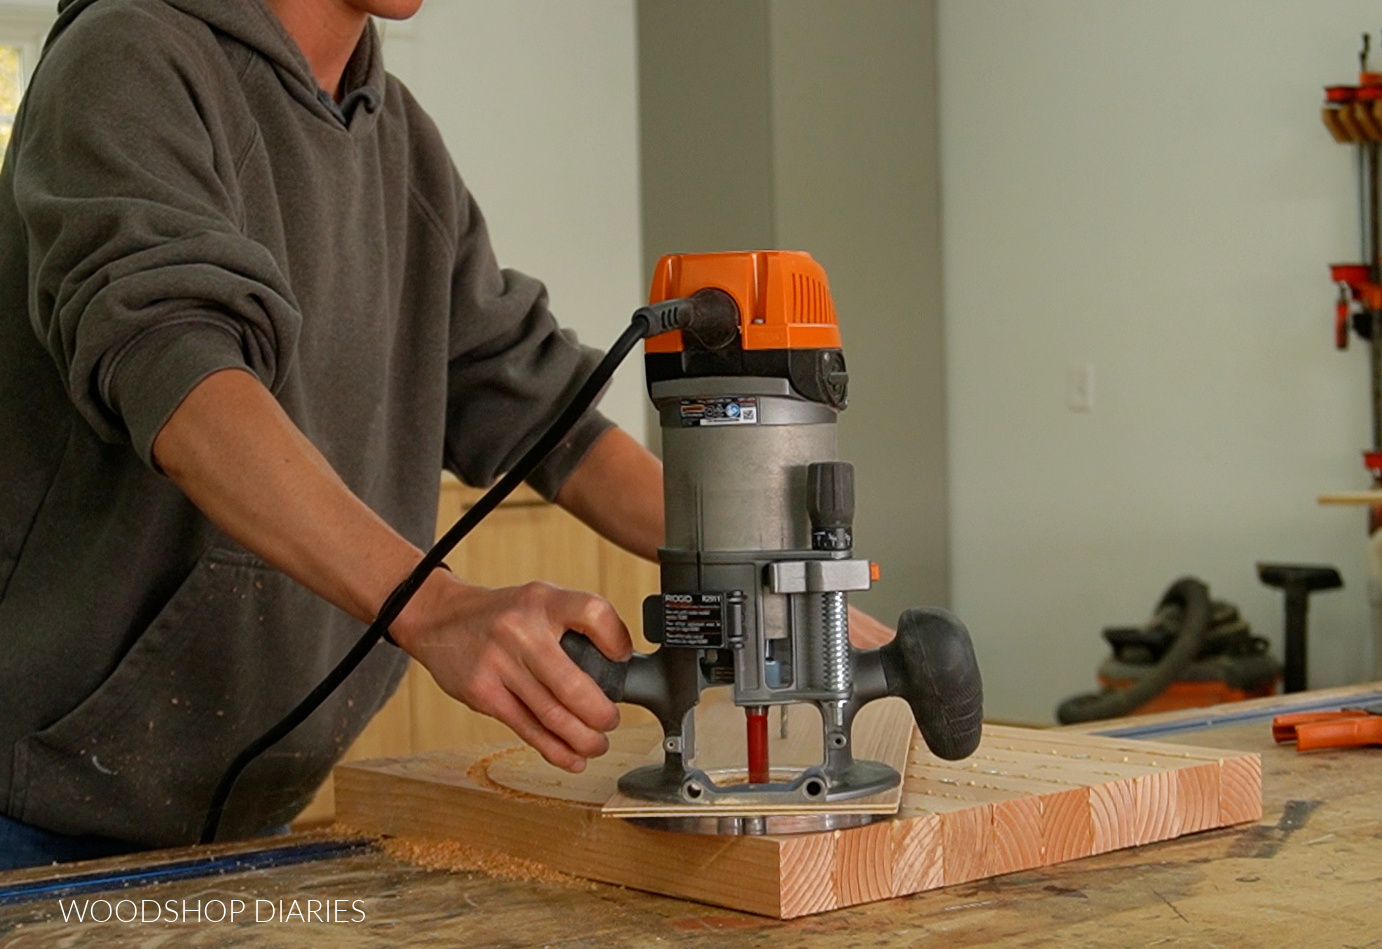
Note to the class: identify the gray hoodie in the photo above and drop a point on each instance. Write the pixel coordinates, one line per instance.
(178, 199)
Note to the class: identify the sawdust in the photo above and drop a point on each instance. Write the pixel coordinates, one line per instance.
(456, 857)
(437, 853)
(479, 773)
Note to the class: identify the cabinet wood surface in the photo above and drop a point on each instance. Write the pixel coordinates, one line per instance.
(525, 539)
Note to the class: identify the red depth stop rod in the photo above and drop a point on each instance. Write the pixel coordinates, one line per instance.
(756, 717)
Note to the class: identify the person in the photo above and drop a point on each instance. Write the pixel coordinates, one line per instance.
(248, 311)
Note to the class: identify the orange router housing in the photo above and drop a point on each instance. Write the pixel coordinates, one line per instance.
(783, 297)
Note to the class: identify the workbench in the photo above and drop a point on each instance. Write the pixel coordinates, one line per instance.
(1308, 875)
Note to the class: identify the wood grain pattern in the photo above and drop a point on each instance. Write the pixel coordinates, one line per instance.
(863, 870)
(916, 852)
(1026, 799)
(1156, 805)
(806, 874)
(966, 844)
(1198, 795)
(1240, 794)
(1018, 838)
(1067, 826)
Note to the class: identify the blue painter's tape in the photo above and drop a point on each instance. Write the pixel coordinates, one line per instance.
(101, 881)
(1221, 719)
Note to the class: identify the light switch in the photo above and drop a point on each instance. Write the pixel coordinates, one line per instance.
(1079, 388)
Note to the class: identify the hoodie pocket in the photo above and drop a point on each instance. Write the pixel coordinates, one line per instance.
(234, 649)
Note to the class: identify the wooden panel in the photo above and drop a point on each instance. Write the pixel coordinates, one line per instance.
(436, 796)
(1027, 798)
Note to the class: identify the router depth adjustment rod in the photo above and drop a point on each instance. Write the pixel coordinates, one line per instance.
(758, 560)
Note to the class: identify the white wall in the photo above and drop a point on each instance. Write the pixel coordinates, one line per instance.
(811, 125)
(1146, 188)
(538, 104)
(855, 182)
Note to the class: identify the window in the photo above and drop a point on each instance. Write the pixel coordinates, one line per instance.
(23, 26)
(11, 88)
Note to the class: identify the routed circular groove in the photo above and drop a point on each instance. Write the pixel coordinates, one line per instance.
(1193, 597)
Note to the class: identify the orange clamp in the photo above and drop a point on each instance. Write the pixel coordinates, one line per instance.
(1346, 728)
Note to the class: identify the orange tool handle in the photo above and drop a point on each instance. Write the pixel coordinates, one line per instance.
(1344, 733)
(1284, 726)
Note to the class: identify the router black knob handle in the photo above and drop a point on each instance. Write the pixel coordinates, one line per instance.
(931, 664)
(830, 504)
(609, 675)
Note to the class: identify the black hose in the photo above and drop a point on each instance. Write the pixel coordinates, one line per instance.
(1192, 596)
(647, 321)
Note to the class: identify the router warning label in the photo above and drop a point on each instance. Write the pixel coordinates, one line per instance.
(695, 620)
(719, 412)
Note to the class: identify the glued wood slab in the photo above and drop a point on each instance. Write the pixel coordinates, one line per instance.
(1027, 798)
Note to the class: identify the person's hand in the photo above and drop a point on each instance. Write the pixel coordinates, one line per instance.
(865, 632)
(498, 651)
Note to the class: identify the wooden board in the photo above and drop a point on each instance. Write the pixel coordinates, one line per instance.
(1351, 497)
(1028, 798)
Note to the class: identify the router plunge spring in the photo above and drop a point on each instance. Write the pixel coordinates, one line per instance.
(835, 642)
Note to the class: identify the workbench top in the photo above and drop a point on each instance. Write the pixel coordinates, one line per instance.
(1308, 875)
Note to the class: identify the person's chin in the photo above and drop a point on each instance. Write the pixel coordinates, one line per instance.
(388, 9)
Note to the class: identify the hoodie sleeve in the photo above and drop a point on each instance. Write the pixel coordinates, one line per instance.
(141, 283)
(512, 369)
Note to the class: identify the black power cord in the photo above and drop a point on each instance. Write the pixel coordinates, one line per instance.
(705, 308)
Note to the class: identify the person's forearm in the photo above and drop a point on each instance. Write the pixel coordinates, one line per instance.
(617, 490)
(235, 453)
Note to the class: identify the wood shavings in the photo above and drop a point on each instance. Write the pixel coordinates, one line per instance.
(456, 857)
(479, 773)
(435, 853)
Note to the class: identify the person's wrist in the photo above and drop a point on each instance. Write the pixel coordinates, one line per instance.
(410, 626)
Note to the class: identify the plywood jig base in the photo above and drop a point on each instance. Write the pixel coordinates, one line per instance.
(1026, 798)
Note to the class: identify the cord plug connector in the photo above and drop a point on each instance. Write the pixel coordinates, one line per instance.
(709, 316)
